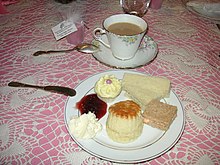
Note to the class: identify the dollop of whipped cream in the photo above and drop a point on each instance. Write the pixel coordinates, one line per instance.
(85, 126)
(108, 86)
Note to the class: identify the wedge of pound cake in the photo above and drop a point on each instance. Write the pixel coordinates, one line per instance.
(143, 89)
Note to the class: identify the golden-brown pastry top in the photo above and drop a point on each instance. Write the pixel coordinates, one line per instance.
(125, 109)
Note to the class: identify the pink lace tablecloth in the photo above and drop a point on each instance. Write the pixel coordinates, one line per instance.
(32, 127)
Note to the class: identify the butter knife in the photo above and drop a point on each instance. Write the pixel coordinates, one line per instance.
(56, 89)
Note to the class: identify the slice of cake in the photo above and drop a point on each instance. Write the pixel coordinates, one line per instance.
(159, 115)
(143, 89)
(124, 123)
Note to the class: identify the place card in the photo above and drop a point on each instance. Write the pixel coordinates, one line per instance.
(63, 29)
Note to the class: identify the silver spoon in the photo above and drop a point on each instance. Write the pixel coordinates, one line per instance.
(56, 89)
(84, 47)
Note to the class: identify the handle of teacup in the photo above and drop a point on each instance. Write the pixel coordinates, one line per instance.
(100, 31)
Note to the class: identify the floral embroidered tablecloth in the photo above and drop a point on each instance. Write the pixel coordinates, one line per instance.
(32, 127)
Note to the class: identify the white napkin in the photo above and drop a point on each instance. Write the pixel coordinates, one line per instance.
(210, 6)
(214, 8)
(209, 9)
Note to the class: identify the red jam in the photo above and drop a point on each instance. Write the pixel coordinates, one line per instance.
(91, 103)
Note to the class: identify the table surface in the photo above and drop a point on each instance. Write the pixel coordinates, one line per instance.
(32, 123)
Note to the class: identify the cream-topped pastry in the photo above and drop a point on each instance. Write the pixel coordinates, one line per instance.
(108, 87)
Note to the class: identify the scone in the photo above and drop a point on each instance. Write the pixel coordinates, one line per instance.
(124, 123)
(159, 115)
(108, 88)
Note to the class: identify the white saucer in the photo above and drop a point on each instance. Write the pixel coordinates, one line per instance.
(145, 54)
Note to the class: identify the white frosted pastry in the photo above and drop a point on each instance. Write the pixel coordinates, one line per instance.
(108, 87)
(124, 123)
(85, 126)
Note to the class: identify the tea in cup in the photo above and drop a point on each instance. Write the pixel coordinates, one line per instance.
(124, 33)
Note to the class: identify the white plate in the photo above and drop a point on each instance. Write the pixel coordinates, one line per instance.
(145, 54)
(152, 142)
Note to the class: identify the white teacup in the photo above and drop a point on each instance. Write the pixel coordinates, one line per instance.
(124, 33)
